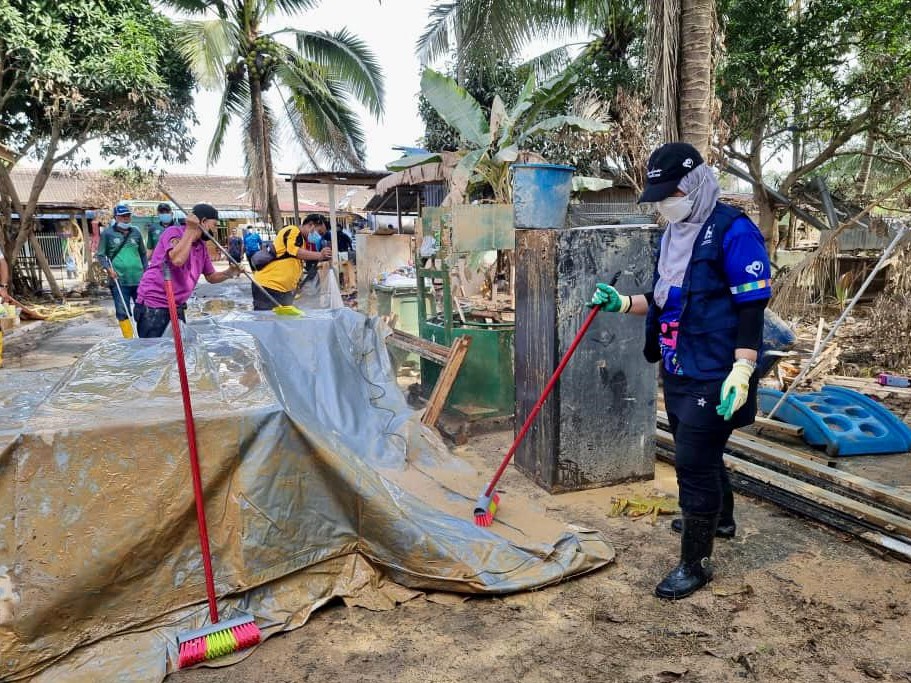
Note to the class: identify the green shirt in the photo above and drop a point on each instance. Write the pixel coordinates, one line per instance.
(155, 231)
(130, 260)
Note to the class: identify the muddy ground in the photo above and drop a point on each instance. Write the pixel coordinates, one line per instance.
(792, 601)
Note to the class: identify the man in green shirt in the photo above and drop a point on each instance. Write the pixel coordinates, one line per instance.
(122, 252)
(165, 220)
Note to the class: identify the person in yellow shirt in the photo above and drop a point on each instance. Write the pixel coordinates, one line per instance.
(280, 276)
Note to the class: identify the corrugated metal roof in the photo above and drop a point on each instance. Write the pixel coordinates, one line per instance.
(68, 188)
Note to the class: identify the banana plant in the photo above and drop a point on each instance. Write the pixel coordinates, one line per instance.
(491, 145)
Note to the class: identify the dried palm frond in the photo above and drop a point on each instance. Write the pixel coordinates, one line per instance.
(802, 288)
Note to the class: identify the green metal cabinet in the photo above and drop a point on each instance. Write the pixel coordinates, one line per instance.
(486, 384)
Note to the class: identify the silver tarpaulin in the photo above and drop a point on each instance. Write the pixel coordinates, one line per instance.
(320, 483)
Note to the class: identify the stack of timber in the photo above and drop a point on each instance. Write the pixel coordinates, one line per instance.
(876, 513)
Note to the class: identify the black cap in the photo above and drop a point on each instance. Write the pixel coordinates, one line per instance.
(666, 167)
(164, 207)
(205, 211)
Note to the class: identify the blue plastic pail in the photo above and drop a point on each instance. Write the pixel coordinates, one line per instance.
(540, 194)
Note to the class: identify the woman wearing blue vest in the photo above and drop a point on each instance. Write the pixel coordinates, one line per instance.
(704, 322)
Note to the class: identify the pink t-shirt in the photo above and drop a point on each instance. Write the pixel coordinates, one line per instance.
(151, 287)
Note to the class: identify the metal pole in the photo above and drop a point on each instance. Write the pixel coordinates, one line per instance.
(336, 259)
(398, 209)
(297, 216)
(803, 373)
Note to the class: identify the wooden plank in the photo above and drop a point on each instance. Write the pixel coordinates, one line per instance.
(763, 424)
(447, 378)
(436, 353)
(801, 506)
(861, 511)
(796, 462)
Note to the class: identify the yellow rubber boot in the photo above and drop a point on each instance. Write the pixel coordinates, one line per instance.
(126, 329)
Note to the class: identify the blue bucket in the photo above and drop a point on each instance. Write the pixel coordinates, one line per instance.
(540, 194)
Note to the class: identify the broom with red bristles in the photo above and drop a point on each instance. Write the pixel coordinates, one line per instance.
(486, 506)
(220, 637)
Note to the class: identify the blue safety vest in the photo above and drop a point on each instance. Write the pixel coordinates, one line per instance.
(708, 319)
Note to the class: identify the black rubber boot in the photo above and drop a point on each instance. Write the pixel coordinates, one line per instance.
(694, 570)
(727, 527)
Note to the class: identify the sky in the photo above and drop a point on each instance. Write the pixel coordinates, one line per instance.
(391, 29)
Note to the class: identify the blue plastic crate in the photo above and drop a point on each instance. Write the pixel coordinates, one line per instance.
(844, 421)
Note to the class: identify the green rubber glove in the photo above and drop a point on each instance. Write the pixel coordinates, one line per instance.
(610, 300)
(736, 388)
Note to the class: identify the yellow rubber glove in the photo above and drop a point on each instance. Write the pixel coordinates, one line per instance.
(736, 387)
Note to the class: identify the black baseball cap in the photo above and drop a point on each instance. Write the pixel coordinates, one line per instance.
(164, 207)
(666, 167)
(205, 211)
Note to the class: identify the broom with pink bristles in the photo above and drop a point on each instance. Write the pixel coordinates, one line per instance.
(220, 637)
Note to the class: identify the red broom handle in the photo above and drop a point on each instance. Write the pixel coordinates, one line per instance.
(537, 409)
(191, 445)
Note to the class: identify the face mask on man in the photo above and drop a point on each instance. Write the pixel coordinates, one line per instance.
(165, 218)
(123, 226)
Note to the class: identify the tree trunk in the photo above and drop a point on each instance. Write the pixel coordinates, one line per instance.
(44, 265)
(275, 211)
(697, 21)
(862, 183)
(262, 171)
(768, 220)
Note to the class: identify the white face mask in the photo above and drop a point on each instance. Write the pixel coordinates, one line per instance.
(675, 209)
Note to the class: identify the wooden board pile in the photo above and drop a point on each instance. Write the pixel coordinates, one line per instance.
(876, 513)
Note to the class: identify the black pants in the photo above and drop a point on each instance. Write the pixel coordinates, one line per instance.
(702, 479)
(262, 303)
(700, 435)
(152, 322)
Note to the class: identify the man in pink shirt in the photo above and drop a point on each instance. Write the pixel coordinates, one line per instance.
(183, 247)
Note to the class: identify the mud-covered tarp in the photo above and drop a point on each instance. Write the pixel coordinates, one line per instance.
(320, 483)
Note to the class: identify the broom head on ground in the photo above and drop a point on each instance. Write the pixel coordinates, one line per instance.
(217, 640)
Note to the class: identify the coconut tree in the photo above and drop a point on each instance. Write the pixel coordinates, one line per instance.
(265, 83)
(479, 29)
(682, 79)
(681, 34)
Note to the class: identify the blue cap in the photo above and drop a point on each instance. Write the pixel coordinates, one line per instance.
(122, 210)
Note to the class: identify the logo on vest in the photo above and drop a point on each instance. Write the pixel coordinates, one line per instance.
(709, 233)
(755, 268)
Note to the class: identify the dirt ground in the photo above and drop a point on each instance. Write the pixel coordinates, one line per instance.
(791, 602)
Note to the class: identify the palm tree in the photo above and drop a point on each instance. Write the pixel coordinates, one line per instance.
(229, 50)
(479, 29)
(682, 80)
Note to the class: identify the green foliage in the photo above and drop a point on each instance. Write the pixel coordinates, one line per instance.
(483, 82)
(74, 70)
(489, 147)
(317, 79)
(833, 71)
